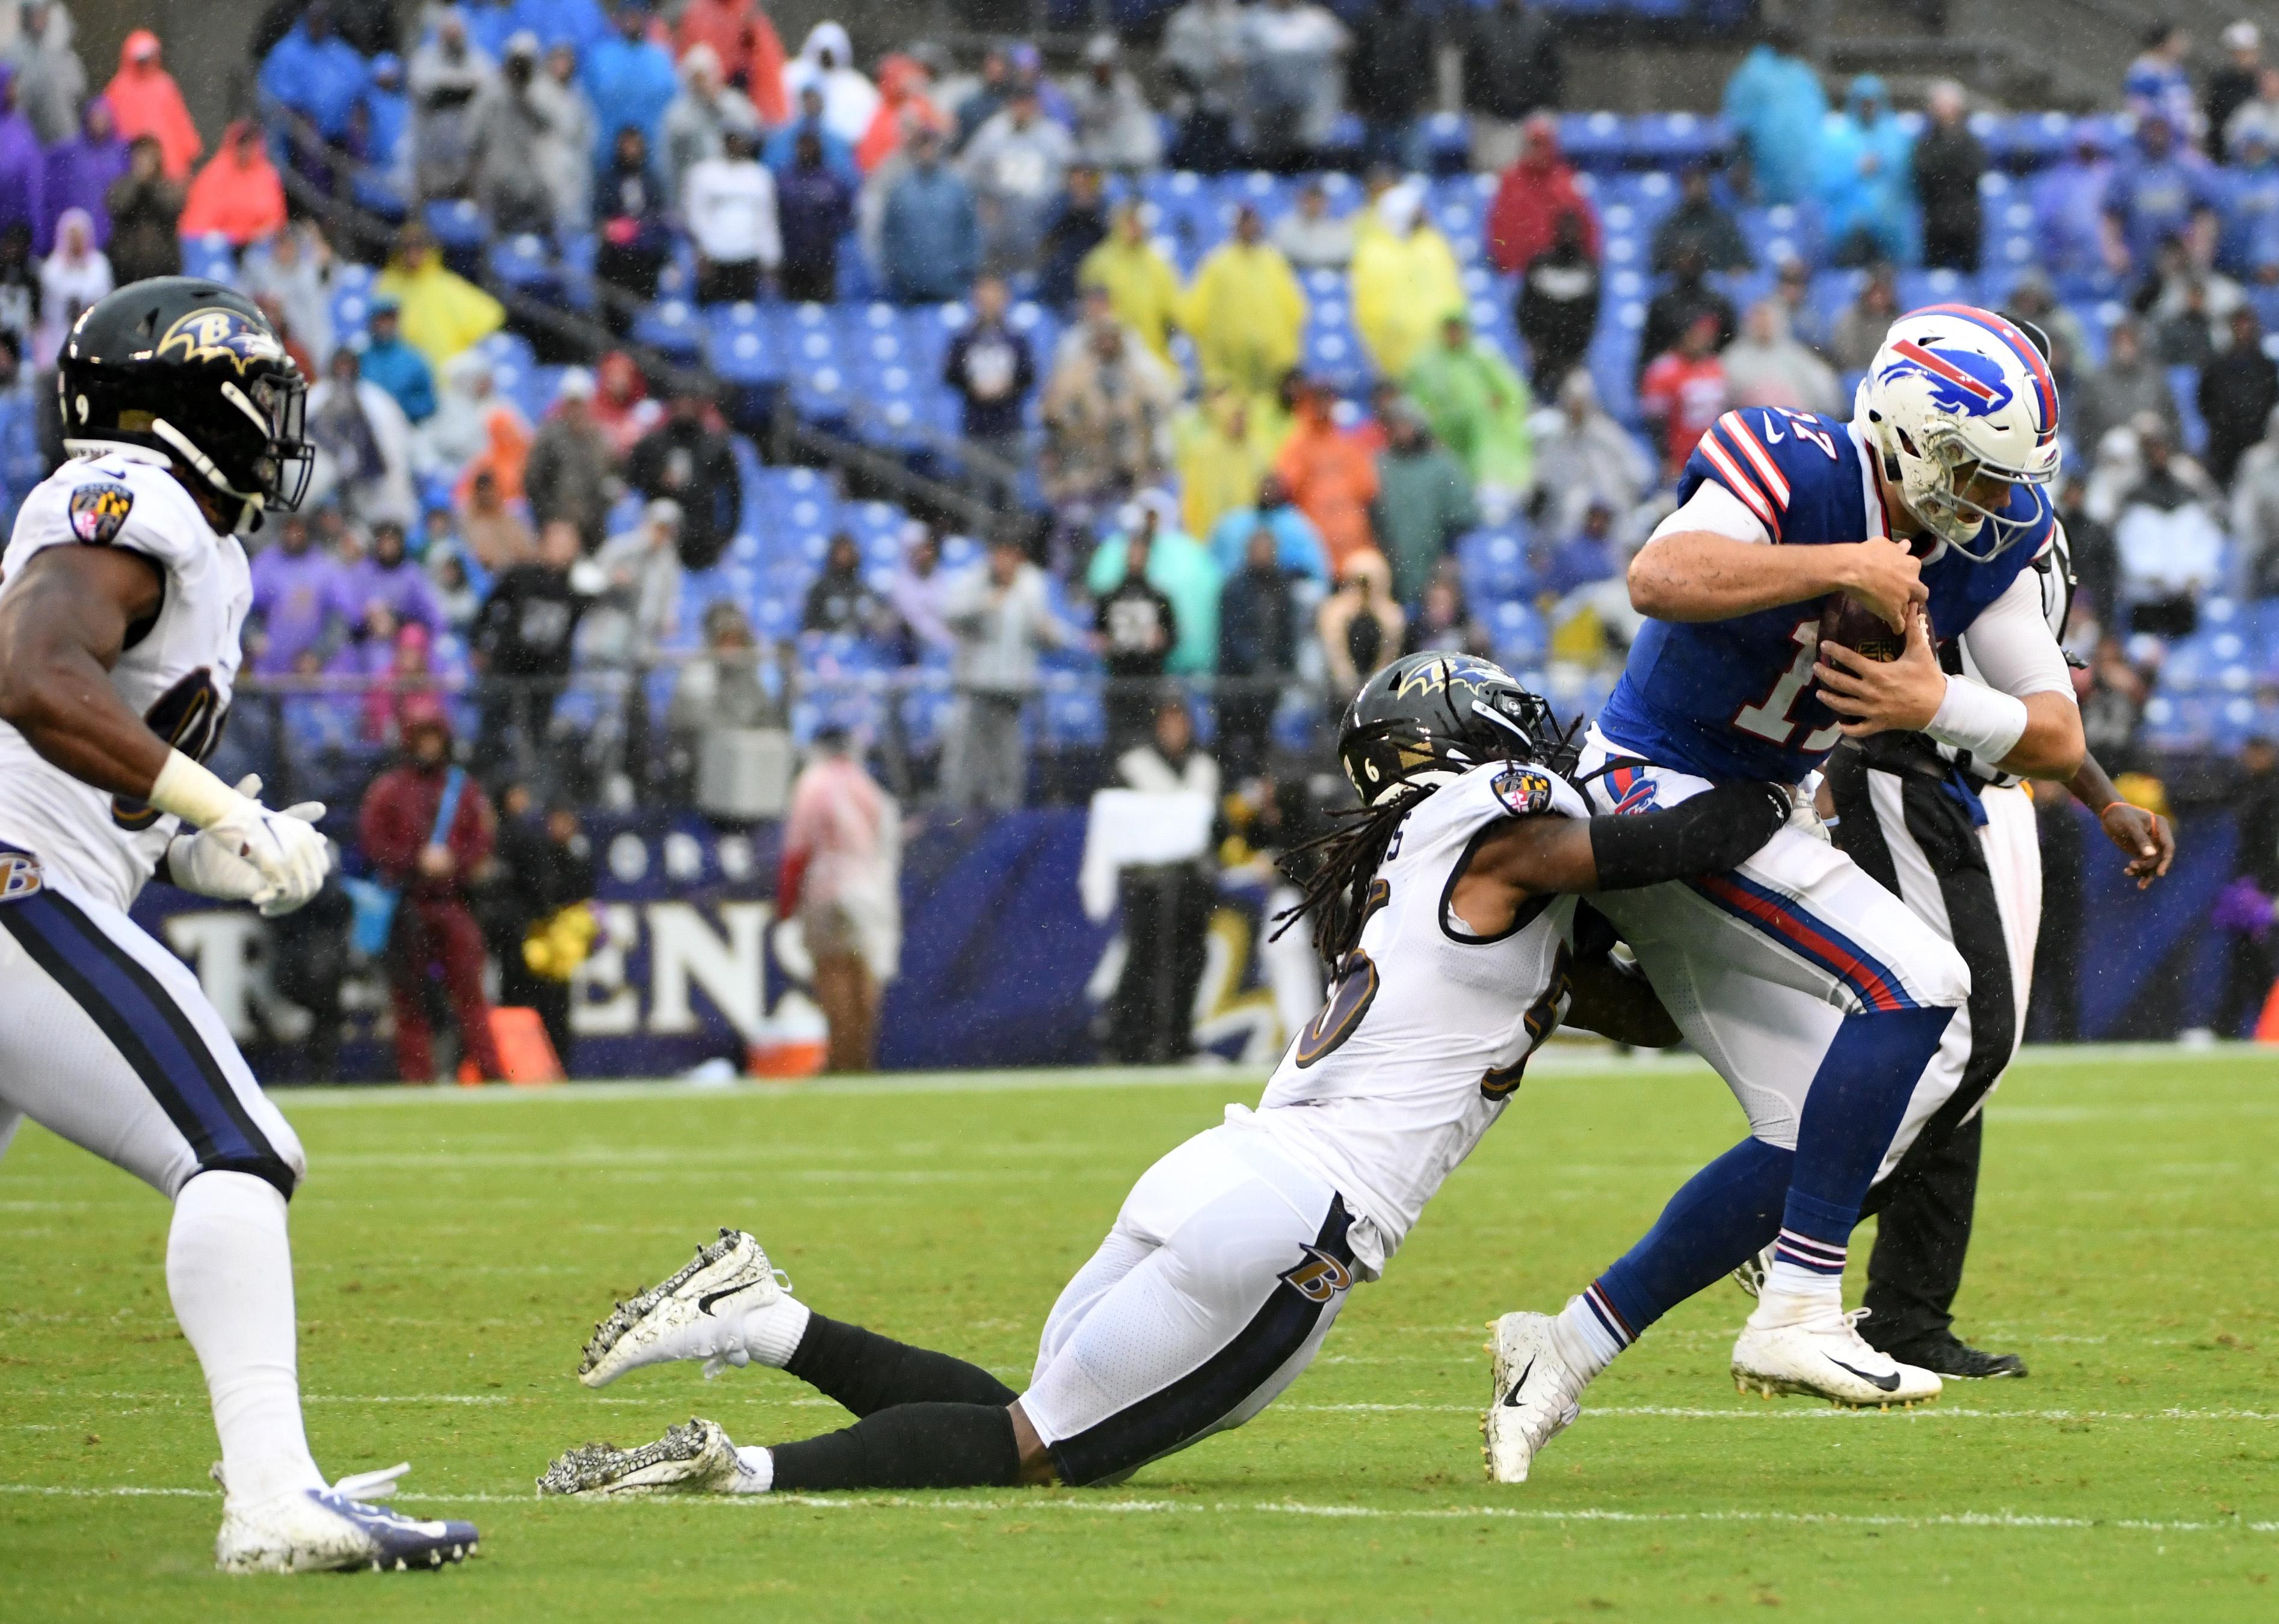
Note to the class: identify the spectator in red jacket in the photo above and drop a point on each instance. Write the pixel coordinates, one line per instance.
(1524, 221)
(238, 192)
(435, 942)
(1684, 391)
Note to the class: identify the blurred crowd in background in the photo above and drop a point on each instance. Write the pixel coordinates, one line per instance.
(1263, 342)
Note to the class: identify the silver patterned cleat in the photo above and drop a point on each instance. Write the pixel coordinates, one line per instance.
(696, 1459)
(697, 1312)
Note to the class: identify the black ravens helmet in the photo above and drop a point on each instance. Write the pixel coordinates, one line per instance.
(191, 368)
(1442, 714)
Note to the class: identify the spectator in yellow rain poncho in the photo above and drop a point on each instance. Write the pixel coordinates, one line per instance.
(440, 312)
(1222, 446)
(1478, 407)
(1246, 311)
(1404, 276)
(1142, 288)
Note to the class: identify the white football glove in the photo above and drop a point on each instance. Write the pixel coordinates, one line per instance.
(276, 861)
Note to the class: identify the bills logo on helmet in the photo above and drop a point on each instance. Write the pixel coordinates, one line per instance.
(99, 510)
(1318, 1276)
(1522, 792)
(1967, 385)
(19, 876)
(218, 334)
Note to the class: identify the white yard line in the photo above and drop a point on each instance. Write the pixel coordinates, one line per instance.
(2026, 1521)
(1763, 1410)
(1563, 1061)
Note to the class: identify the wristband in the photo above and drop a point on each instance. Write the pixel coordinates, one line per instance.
(1976, 718)
(192, 794)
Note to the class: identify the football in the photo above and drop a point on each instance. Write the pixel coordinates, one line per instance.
(1843, 619)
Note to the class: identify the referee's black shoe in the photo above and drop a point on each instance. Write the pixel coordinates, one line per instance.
(1946, 1355)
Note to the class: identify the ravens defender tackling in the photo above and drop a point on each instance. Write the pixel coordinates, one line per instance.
(1446, 901)
(122, 592)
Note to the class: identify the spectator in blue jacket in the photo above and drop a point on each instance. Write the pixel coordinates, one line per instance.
(2251, 204)
(2069, 202)
(929, 238)
(631, 80)
(2156, 85)
(2161, 189)
(316, 74)
(1297, 545)
(814, 208)
(581, 24)
(1867, 192)
(393, 363)
(1773, 100)
(384, 115)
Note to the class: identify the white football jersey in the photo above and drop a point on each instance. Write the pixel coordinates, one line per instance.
(1429, 1026)
(177, 673)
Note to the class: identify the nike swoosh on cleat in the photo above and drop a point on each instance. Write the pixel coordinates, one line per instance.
(1512, 1398)
(704, 1303)
(1888, 1383)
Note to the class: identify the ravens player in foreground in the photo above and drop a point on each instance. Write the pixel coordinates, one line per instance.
(122, 594)
(1448, 903)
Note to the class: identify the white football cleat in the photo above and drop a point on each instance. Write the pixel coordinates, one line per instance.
(696, 1459)
(1824, 1357)
(695, 1313)
(1533, 1397)
(329, 1530)
(1752, 1274)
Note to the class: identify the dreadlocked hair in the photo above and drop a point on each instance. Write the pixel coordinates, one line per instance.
(1333, 871)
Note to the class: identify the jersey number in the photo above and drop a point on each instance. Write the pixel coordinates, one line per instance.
(1350, 997)
(1541, 1020)
(1773, 716)
(188, 717)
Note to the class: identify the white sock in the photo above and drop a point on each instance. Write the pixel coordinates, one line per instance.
(1583, 1339)
(771, 1334)
(758, 1475)
(229, 1270)
(1794, 1292)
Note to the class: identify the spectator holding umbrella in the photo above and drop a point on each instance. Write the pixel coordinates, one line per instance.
(430, 860)
(842, 879)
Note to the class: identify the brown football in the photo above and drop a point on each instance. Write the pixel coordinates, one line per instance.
(1843, 619)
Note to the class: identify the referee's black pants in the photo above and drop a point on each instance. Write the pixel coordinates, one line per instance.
(1925, 1206)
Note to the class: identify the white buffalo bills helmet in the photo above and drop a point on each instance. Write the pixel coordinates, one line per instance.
(1956, 392)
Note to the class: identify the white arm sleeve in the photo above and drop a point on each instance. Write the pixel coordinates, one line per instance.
(1717, 510)
(2010, 644)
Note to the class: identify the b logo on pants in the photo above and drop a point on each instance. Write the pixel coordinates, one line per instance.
(1318, 1276)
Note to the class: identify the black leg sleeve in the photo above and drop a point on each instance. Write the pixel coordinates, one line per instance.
(910, 1446)
(869, 1373)
(1921, 1237)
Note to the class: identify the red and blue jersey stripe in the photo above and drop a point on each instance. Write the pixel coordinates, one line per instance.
(1870, 980)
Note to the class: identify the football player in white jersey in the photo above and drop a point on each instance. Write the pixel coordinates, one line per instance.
(1447, 903)
(122, 592)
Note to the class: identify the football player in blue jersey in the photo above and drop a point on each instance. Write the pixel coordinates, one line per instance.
(1812, 990)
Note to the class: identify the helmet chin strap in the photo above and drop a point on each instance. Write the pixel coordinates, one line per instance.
(249, 508)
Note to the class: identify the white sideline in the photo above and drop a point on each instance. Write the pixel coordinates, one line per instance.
(1075, 1501)
(1563, 1060)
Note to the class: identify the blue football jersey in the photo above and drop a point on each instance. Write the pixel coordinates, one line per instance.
(1734, 698)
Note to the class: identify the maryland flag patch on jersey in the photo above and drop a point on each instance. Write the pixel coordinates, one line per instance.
(1522, 791)
(99, 510)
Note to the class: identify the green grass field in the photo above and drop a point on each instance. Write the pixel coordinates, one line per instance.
(454, 1247)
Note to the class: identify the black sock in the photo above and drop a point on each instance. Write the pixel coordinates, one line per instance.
(910, 1446)
(869, 1373)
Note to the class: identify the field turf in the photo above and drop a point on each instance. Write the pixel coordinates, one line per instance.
(454, 1247)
